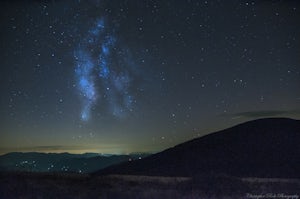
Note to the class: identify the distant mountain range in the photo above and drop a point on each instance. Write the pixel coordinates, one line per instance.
(61, 162)
(259, 148)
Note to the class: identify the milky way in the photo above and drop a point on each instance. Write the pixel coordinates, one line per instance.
(104, 72)
(142, 76)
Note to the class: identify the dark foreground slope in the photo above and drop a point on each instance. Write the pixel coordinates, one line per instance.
(259, 148)
(82, 186)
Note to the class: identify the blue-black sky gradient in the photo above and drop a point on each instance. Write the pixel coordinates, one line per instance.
(141, 76)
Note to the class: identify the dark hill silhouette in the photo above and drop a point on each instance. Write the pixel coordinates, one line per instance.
(260, 148)
(61, 162)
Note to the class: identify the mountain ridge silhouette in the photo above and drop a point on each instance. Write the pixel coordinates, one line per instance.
(266, 147)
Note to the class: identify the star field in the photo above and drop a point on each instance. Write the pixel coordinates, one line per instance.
(100, 53)
(140, 76)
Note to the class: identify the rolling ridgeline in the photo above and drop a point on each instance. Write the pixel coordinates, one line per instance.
(252, 159)
(268, 148)
(260, 148)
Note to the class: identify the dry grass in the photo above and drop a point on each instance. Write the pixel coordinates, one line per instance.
(76, 186)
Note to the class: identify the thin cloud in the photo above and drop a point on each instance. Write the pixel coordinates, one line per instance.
(266, 113)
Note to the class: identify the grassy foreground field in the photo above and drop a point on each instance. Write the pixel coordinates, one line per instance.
(67, 186)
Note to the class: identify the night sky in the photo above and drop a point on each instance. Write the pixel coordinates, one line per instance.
(142, 76)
